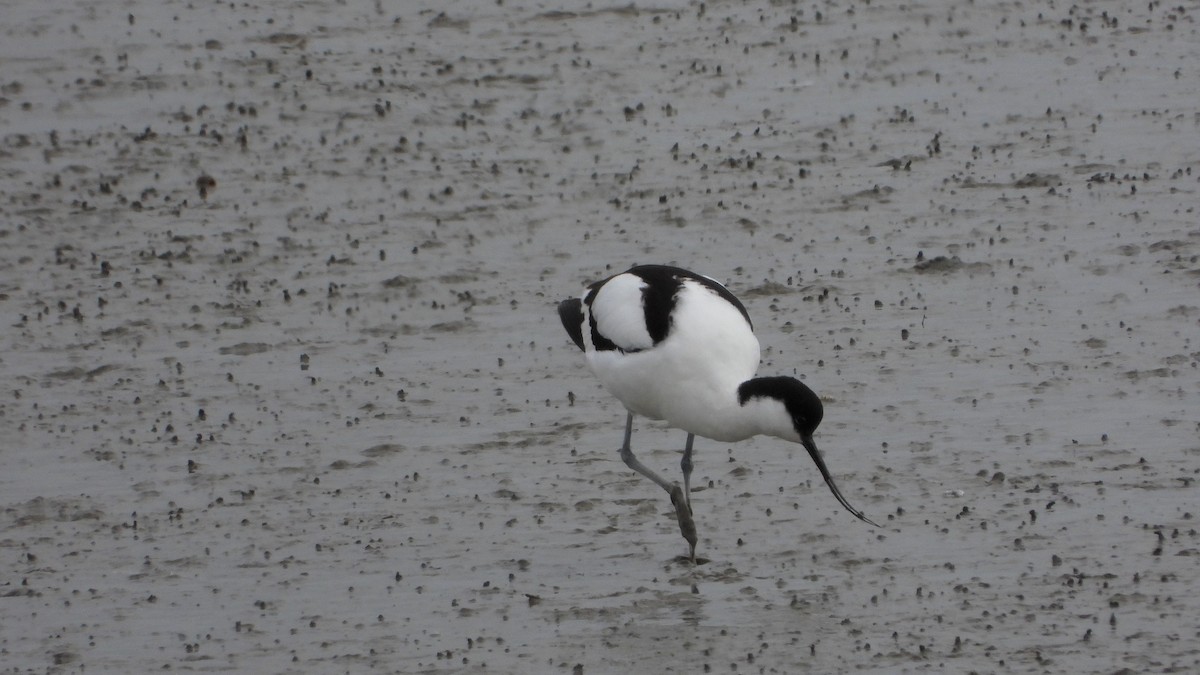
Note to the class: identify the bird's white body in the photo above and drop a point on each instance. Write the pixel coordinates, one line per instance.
(690, 379)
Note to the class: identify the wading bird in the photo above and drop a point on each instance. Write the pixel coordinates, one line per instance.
(677, 346)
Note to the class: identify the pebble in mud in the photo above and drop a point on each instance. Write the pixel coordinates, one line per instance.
(805, 154)
(205, 184)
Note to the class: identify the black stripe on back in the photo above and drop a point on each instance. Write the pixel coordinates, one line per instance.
(659, 296)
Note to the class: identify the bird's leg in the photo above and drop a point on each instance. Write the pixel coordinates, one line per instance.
(633, 463)
(686, 465)
(683, 509)
(683, 513)
(682, 498)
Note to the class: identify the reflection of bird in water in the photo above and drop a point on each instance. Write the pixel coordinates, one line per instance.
(677, 346)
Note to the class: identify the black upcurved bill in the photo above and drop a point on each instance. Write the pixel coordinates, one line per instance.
(812, 451)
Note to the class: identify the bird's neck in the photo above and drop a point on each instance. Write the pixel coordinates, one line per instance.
(721, 416)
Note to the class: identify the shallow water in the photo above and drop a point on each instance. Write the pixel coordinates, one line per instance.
(287, 392)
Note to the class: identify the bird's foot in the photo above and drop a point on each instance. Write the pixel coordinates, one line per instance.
(683, 514)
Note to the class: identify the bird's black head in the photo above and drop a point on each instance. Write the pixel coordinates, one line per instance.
(802, 405)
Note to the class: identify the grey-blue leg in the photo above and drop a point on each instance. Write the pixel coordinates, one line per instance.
(633, 463)
(679, 496)
(686, 465)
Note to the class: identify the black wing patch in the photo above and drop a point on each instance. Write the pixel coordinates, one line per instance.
(571, 314)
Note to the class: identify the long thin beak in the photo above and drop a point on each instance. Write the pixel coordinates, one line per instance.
(816, 455)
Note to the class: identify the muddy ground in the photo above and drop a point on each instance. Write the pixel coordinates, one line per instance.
(286, 392)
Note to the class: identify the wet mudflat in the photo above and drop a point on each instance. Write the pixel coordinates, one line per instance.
(286, 392)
